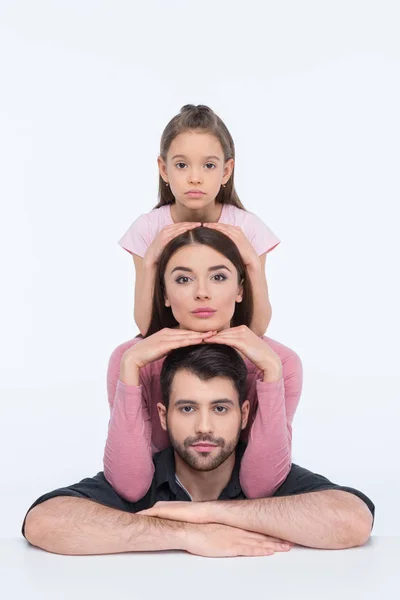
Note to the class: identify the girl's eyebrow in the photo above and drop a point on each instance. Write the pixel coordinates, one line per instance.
(205, 158)
(187, 270)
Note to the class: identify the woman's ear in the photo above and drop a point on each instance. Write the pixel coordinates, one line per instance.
(167, 302)
(239, 293)
(162, 414)
(162, 167)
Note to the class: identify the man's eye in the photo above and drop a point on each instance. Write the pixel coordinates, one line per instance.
(220, 277)
(220, 409)
(179, 165)
(186, 409)
(181, 278)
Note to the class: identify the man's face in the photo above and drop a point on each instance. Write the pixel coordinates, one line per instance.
(204, 419)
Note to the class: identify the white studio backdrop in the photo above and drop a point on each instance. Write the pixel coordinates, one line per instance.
(311, 94)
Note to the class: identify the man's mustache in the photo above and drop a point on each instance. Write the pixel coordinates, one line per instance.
(206, 439)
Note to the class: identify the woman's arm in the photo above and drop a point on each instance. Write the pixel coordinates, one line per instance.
(268, 456)
(144, 286)
(128, 463)
(262, 307)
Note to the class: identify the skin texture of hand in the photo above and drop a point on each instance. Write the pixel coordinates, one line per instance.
(215, 540)
(161, 240)
(253, 347)
(235, 233)
(154, 347)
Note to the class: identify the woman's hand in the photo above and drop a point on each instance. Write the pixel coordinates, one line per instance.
(166, 234)
(235, 233)
(154, 347)
(254, 348)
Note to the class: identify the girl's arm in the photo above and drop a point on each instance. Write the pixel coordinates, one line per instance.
(262, 307)
(128, 463)
(144, 286)
(268, 456)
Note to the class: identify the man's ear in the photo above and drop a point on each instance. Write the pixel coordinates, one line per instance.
(162, 413)
(245, 413)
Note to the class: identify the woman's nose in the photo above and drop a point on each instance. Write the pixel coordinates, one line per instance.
(202, 291)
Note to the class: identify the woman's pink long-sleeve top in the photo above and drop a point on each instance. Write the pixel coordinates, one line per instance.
(135, 433)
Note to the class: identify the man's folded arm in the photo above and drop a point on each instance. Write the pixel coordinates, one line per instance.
(78, 526)
(329, 519)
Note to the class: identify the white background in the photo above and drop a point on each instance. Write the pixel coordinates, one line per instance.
(311, 93)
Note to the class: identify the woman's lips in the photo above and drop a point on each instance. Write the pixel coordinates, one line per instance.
(203, 313)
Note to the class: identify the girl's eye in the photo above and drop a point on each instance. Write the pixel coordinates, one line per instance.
(220, 409)
(186, 409)
(182, 279)
(179, 165)
(220, 277)
(211, 165)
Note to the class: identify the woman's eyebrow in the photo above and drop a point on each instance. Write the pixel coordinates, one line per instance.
(205, 157)
(187, 270)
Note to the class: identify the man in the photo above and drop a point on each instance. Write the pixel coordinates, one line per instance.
(204, 411)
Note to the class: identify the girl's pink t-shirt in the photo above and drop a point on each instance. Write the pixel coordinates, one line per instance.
(143, 231)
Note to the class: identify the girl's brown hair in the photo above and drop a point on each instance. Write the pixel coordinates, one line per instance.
(199, 118)
(161, 315)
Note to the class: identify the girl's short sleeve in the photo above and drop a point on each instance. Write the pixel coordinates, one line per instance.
(137, 238)
(261, 236)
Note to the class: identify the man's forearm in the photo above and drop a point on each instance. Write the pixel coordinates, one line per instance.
(329, 519)
(77, 526)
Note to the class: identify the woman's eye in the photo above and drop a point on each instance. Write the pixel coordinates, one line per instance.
(220, 409)
(179, 165)
(182, 279)
(219, 277)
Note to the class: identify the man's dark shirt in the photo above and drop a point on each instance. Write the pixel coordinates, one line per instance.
(165, 486)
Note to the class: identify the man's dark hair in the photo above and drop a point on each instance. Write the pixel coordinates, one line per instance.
(206, 361)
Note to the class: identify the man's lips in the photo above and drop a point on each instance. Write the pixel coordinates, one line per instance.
(204, 446)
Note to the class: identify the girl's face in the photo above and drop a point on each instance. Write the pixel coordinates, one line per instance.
(201, 287)
(195, 163)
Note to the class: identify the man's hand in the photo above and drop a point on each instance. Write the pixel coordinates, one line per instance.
(154, 347)
(253, 347)
(215, 540)
(211, 538)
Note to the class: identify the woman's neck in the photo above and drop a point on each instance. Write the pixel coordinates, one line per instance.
(208, 214)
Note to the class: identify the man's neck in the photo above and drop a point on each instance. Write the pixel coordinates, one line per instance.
(204, 485)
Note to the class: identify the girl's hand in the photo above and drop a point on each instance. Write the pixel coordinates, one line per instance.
(235, 233)
(166, 234)
(154, 347)
(254, 348)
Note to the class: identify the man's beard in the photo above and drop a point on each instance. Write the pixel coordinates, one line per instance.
(202, 461)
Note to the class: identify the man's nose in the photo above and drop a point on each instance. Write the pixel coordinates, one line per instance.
(203, 423)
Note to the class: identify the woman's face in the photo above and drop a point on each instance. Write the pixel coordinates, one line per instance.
(201, 287)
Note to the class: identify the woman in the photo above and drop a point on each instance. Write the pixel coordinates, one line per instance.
(202, 294)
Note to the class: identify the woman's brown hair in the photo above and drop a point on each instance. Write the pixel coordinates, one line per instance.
(161, 315)
(199, 118)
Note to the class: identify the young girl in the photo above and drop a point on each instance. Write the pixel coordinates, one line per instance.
(200, 268)
(196, 186)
